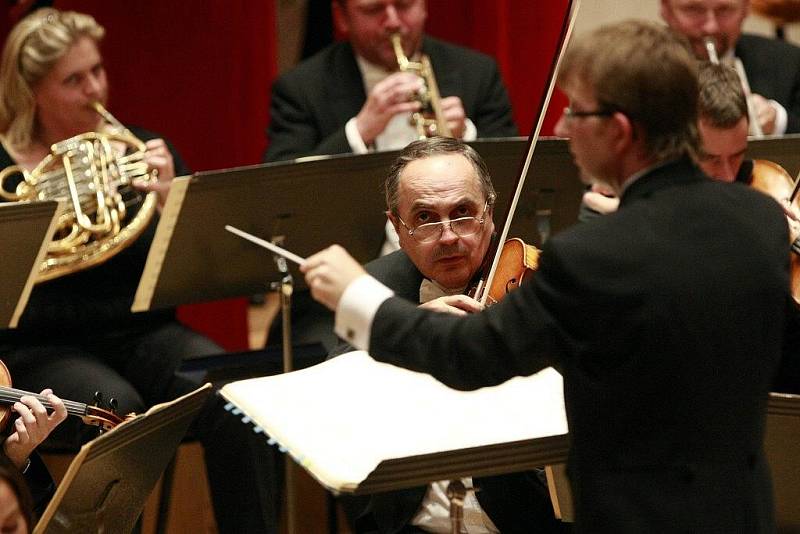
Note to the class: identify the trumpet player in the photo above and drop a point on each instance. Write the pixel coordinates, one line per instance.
(77, 334)
(771, 67)
(350, 97)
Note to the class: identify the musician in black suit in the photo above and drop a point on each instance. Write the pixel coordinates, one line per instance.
(667, 333)
(772, 67)
(442, 190)
(350, 97)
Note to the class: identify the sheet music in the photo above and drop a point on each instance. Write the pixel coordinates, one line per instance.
(341, 418)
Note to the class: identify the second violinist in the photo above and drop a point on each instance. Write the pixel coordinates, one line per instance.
(723, 127)
(440, 199)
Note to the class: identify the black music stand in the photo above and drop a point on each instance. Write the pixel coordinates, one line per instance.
(552, 194)
(311, 203)
(306, 206)
(108, 482)
(783, 455)
(25, 230)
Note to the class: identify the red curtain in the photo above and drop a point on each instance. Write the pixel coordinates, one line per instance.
(520, 34)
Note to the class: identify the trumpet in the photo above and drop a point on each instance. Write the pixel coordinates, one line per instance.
(95, 179)
(754, 128)
(429, 120)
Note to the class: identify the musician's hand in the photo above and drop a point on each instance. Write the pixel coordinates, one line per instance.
(765, 112)
(601, 199)
(328, 273)
(454, 114)
(455, 304)
(158, 157)
(389, 97)
(32, 426)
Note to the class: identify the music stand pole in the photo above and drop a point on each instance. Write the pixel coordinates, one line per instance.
(286, 287)
(456, 492)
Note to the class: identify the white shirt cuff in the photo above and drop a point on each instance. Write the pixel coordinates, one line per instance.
(357, 308)
(781, 118)
(354, 138)
(470, 132)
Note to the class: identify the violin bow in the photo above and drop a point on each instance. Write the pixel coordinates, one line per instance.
(567, 24)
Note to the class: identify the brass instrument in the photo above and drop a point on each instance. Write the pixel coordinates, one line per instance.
(754, 128)
(94, 177)
(429, 120)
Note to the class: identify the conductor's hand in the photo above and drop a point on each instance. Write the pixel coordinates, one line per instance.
(396, 94)
(32, 426)
(765, 113)
(454, 114)
(328, 273)
(455, 304)
(159, 158)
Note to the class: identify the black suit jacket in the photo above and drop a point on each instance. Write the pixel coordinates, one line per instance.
(666, 320)
(773, 71)
(517, 503)
(312, 103)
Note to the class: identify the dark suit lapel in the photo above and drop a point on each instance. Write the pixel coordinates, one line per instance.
(448, 79)
(347, 92)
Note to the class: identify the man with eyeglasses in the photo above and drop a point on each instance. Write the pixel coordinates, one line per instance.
(439, 198)
(666, 328)
(772, 67)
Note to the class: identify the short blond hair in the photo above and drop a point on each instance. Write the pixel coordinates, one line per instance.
(648, 73)
(33, 47)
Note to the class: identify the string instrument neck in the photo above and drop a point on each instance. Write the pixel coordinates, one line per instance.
(9, 395)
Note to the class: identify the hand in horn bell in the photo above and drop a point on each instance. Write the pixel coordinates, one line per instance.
(159, 159)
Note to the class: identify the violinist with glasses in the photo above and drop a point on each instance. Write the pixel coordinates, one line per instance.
(440, 199)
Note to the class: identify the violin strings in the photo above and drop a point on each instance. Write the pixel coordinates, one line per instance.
(12, 395)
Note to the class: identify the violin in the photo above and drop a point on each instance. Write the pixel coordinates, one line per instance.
(91, 415)
(518, 262)
(772, 179)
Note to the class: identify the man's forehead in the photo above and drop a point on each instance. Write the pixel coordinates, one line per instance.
(706, 3)
(444, 172)
(577, 88)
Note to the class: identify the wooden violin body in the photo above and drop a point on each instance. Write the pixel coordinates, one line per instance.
(772, 179)
(518, 261)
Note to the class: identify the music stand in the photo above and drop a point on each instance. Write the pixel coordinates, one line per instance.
(307, 206)
(25, 230)
(311, 203)
(108, 482)
(780, 446)
(552, 194)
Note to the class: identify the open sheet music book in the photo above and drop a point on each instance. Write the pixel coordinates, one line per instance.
(344, 418)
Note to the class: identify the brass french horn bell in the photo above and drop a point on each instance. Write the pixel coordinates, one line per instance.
(93, 172)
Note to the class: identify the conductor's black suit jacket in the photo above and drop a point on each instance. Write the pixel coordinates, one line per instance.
(312, 102)
(516, 503)
(666, 320)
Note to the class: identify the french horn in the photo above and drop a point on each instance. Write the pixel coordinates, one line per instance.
(93, 173)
